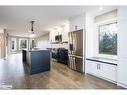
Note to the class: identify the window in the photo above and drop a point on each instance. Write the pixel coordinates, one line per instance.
(13, 44)
(108, 38)
(32, 44)
(23, 44)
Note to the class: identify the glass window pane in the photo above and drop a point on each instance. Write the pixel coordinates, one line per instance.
(23, 44)
(13, 45)
(108, 39)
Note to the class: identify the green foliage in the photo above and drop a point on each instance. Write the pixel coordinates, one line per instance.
(108, 44)
(23, 44)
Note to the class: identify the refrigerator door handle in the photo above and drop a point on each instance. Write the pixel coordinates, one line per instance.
(75, 56)
(78, 56)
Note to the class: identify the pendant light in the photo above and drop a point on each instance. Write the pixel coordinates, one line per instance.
(32, 34)
(32, 28)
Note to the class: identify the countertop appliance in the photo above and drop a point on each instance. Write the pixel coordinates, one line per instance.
(58, 38)
(76, 50)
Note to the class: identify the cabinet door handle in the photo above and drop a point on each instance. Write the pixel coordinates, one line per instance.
(97, 66)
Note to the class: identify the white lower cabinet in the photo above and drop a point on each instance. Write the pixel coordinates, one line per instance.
(102, 70)
(92, 68)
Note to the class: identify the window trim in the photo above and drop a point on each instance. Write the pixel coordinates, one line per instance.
(101, 24)
(20, 42)
(15, 44)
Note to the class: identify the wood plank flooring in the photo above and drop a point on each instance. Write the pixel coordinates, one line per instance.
(13, 72)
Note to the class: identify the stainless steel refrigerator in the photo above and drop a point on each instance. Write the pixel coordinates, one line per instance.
(76, 50)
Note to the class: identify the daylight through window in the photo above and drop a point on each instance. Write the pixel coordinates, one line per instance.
(108, 39)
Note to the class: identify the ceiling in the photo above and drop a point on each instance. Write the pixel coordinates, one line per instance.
(16, 19)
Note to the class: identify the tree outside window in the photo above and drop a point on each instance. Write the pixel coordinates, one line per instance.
(23, 43)
(108, 39)
(13, 44)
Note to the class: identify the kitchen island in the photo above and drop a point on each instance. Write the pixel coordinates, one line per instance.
(37, 60)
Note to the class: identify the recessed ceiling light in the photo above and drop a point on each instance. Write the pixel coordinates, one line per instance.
(29, 31)
(32, 35)
(101, 8)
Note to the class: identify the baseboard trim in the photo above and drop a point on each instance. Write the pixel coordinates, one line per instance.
(122, 85)
(106, 79)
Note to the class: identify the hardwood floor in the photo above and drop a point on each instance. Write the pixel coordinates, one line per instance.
(13, 72)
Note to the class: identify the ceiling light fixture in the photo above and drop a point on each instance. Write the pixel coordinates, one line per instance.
(32, 33)
(32, 28)
(101, 8)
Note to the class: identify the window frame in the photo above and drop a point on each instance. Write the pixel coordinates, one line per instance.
(97, 28)
(26, 42)
(15, 44)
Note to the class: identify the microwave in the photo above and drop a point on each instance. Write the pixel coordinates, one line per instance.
(58, 38)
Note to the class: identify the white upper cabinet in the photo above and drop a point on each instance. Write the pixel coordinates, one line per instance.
(61, 30)
(57, 31)
(77, 22)
(52, 36)
(65, 30)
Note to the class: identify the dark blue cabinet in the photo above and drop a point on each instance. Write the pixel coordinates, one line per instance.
(38, 60)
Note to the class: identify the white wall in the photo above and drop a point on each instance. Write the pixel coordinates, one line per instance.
(17, 43)
(100, 20)
(59, 30)
(43, 42)
(122, 46)
(1, 30)
(92, 45)
(89, 36)
(78, 21)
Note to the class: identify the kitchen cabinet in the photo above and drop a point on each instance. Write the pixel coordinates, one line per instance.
(53, 33)
(63, 30)
(77, 22)
(102, 70)
(52, 36)
(38, 61)
(92, 67)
